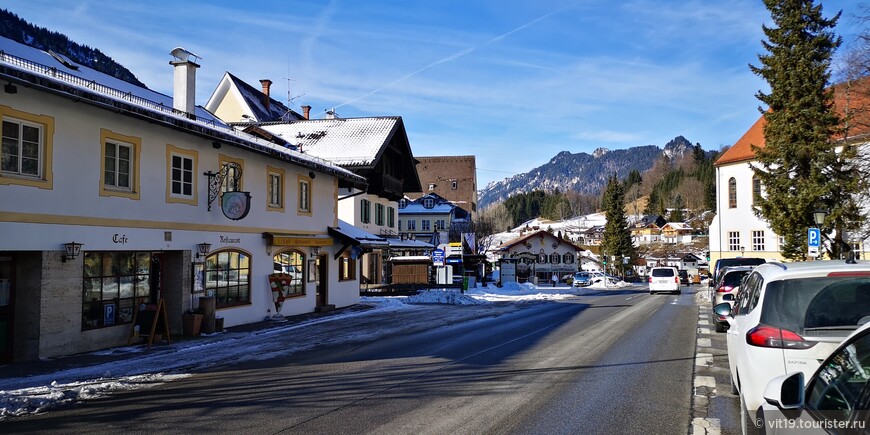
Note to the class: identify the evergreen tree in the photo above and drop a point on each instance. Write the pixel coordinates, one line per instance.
(677, 212)
(799, 167)
(616, 239)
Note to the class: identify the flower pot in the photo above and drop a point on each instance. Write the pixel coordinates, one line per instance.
(191, 324)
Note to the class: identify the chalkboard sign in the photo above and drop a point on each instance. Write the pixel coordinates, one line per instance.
(148, 318)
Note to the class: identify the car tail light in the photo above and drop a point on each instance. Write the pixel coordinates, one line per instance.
(677, 279)
(724, 288)
(771, 336)
(650, 279)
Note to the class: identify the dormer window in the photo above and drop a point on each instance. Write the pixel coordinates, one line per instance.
(403, 203)
(453, 185)
(431, 186)
(428, 202)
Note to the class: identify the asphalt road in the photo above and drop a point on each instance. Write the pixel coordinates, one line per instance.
(613, 361)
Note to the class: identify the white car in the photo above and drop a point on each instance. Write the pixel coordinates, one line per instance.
(788, 317)
(664, 279)
(835, 394)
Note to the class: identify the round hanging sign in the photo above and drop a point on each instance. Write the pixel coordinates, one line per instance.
(236, 205)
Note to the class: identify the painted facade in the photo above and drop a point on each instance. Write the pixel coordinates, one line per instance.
(129, 184)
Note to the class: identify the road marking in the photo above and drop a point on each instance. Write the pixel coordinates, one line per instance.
(704, 322)
(704, 331)
(706, 426)
(705, 342)
(704, 359)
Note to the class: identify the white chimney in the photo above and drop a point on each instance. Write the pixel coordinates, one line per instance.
(184, 83)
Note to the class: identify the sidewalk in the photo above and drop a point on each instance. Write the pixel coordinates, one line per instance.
(126, 353)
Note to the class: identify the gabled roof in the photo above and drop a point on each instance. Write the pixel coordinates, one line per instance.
(252, 99)
(441, 206)
(678, 226)
(37, 69)
(344, 141)
(511, 243)
(852, 97)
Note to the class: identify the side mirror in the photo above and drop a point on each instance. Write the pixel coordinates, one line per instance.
(786, 391)
(723, 309)
(728, 297)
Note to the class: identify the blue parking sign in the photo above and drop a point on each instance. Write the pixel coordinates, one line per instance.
(814, 237)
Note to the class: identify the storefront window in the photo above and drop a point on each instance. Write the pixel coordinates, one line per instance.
(291, 263)
(227, 277)
(113, 282)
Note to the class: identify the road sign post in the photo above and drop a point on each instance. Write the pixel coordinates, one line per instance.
(814, 242)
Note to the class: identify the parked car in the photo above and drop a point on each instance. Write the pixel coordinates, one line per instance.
(728, 262)
(725, 291)
(835, 391)
(789, 317)
(581, 279)
(664, 279)
(684, 277)
(598, 277)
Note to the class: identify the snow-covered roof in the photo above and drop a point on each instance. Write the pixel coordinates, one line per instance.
(678, 226)
(343, 141)
(396, 243)
(361, 236)
(24, 64)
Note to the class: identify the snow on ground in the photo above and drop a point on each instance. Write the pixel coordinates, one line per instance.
(135, 367)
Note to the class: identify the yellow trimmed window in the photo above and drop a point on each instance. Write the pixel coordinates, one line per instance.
(181, 168)
(275, 187)
(119, 168)
(26, 153)
(304, 205)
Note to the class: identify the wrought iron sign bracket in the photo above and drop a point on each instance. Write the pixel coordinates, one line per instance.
(215, 180)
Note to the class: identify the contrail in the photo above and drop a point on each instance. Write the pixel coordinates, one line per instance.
(455, 56)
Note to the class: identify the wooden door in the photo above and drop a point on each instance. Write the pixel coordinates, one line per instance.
(321, 279)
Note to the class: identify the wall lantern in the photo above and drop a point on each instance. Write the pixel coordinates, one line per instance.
(315, 250)
(72, 250)
(819, 217)
(202, 250)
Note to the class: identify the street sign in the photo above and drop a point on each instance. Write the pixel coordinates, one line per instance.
(814, 238)
(438, 257)
(813, 251)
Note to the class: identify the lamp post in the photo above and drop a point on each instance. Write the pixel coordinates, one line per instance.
(819, 219)
(742, 249)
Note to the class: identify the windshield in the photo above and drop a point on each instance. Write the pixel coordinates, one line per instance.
(813, 305)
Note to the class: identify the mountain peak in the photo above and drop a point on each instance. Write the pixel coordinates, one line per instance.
(600, 152)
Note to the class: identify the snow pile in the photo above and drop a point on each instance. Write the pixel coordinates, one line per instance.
(27, 401)
(442, 296)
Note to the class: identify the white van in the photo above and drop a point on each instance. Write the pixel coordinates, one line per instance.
(664, 279)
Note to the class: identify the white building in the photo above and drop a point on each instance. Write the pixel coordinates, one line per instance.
(736, 230)
(540, 255)
(375, 148)
(134, 177)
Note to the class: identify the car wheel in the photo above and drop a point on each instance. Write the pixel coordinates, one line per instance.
(721, 328)
(652, 292)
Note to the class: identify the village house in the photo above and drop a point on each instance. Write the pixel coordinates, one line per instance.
(540, 255)
(116, 197)
(376, 148)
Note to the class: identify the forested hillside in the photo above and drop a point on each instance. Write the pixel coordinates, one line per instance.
(16, 29)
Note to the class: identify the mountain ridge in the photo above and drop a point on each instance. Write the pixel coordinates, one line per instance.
(582, 172)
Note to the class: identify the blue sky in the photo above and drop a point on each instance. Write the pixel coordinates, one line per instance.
(511, 82)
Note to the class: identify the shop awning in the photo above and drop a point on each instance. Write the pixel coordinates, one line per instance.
(288, 239)
(349, 234)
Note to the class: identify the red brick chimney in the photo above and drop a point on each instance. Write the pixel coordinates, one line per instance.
(306, 111)
(266, 84)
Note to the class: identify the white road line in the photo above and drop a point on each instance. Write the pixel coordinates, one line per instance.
(705, 342)
(704, 359)
(706, 426)
(704, 331)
